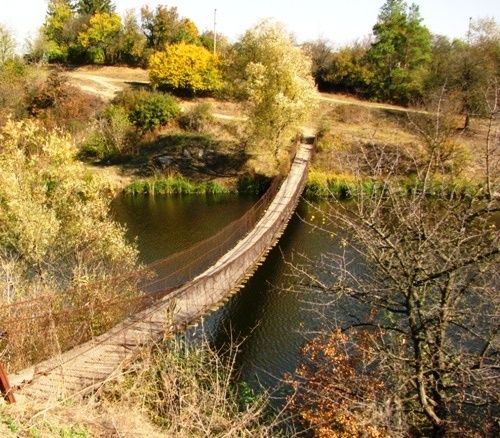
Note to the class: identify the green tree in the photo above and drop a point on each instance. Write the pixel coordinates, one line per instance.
(273, 76)
(132, 42)
(400, 53)
(7, 45)
(186, 68)
(160, 25)
(479, 68)
(164, 26)
(100, 37)
(91, 7)
(343, 70)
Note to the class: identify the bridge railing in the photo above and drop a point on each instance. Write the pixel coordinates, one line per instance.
(33, 330)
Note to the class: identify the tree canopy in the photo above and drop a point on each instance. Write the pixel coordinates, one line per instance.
(164, 26)
(91, 7)
(100, 36)
(186, 68)
(273, 75)
(7, 45)
(400, 53)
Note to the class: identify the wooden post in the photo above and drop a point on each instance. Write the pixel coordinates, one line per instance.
(7, 393)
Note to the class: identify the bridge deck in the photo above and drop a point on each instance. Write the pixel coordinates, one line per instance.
(88, 365)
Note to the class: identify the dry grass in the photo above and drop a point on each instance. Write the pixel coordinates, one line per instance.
(349, 129)
(170, 390)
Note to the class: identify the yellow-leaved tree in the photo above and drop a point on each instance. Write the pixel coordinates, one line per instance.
(54, 214)
(65, 265)
(185, 68)
(100, 37)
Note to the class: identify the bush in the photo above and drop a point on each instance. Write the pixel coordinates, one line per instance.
(113, 135)
(197, 118)
(14, 77)
(57, 238)
(154, 111)
(58, 104)
(185, 68)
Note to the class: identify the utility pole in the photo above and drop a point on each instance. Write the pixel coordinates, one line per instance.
(215, 32)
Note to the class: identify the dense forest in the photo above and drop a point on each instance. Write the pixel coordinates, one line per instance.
(407, 155)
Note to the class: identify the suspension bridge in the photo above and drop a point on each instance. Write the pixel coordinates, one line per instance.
(176, 292)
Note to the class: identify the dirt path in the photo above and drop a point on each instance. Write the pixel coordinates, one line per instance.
(106, 82)
(348, 100)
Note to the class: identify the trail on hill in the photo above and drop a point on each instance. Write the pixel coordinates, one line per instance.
(108, 85)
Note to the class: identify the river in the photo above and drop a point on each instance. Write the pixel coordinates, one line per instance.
(270, 318)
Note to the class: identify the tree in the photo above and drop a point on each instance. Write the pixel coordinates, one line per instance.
(7, 45)
(185, 68)
(400, 53)
(479, 67)
(345, 69)
(427, 306)
(159, 26)
(57, 28)
(91, 7)
(54, 217)
(132, 42)
(223, 43)
(100, 37)
(273, 76)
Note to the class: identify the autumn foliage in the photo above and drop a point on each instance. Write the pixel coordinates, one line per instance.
(185, 68)
(335, 393)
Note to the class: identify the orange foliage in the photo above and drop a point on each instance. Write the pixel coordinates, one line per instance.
(334, 392)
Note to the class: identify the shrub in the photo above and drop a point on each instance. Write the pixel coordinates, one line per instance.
(14, 77)
(185, 68)
(197, 118)
(58, 104)
(154, 111)
(113, 135)
(129, 98)
(56, 238)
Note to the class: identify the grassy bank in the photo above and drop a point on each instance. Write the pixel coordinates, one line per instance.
(180, 185)
(174, 185)
(328, 185)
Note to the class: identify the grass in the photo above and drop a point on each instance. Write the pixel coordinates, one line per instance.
(172, 388)
(174, 185)
(322, 184)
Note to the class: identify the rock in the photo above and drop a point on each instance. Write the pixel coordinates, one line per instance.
(163, 161)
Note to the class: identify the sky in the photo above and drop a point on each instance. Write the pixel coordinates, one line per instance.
(338, 21)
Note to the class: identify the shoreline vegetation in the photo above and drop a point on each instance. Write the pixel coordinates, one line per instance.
(320, 185)
(323, 185)
(202, 116)
(170, 185)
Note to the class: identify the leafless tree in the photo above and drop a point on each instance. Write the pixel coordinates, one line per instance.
(425, 289)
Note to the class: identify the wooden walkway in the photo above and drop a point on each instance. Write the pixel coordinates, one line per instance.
(85, 367)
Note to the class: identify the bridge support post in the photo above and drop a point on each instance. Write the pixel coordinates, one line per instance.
(5, 388)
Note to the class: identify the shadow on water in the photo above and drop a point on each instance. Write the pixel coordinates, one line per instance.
(164, 225)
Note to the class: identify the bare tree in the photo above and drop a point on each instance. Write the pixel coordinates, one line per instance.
(424, 287)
